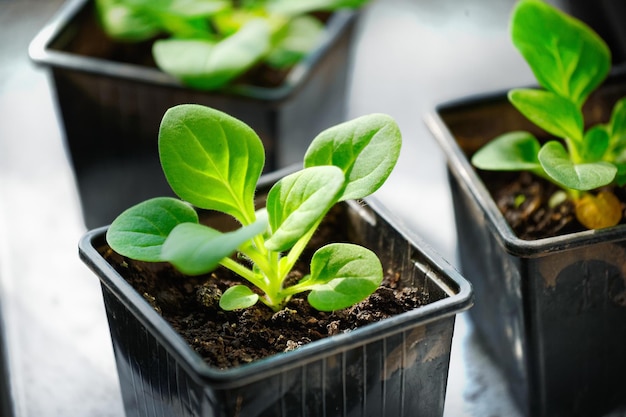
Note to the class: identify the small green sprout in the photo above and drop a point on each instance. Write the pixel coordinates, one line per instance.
(214, 161)
(208, 43)
(569, 61)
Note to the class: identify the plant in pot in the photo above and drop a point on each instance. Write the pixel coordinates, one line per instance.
(280, 66)
(303, 299)
(536, 177)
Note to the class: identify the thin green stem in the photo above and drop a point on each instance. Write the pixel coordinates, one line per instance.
(244, 272)
(294, 253)
(574, 194)
(275, 279)
(572, 149)
(268, 262)
(259, 259)
(269, 304)
(295, 289)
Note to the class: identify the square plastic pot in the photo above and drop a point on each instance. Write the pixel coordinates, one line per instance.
(393, 368)
(552, 311)
(111, 109)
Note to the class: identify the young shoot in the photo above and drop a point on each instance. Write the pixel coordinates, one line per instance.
(214, 161)
(569, 61)
(206, 44)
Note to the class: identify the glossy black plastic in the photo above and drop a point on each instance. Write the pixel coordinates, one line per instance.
(6, 398)
(552, 312)
(393, 368)
(111, 110)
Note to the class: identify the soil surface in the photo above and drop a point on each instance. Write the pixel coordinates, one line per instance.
(226, 339)
(534, 218)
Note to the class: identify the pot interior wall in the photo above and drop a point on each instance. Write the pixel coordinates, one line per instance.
(474, 122)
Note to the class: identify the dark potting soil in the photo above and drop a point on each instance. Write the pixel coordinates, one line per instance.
(230, 338)
(534, 218)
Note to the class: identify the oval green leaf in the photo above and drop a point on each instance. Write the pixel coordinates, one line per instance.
(238, 297)
(196, 249)
(620, 178)
(595, 145)
(617, 126)
(366, 149)
(208, 65)
(300, 37)
(514, 151)
(551, 112)
(196, 8)
(588, 176)
(342, 274)
(140, 231)
(617, 129)
(211, 159)
(125, 21)
(566, 56)
(298, 201)
(292, 8)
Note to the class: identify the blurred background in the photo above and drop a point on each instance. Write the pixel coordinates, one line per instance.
(409, 55)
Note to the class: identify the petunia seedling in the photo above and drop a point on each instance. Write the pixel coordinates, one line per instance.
(570, 61)
(214, 161)
(206, 44)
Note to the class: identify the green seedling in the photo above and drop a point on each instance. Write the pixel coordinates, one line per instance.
(569, 61)
(214, 161)
(206, 44)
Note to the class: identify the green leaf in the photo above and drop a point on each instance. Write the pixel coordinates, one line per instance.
(211, 159)
(301, 36)
(140, 231)
(617, 126)
(125, 22)
(565, 55)
(209, 65)
(292, 8)
(137, 20)
(341, 275)
(238, 297)
(196, 249)
(366, 149)
(596, 144)
(551, 112)
(197, 8)
(298, 201)
(558, 165)
(184, 26)
(514, 151)
(620, 178)
(229, 23)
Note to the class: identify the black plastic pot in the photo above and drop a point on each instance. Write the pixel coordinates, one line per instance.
(552, 311)
(6, 399)
(111, 110)
(607, 18)
(392, 368)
